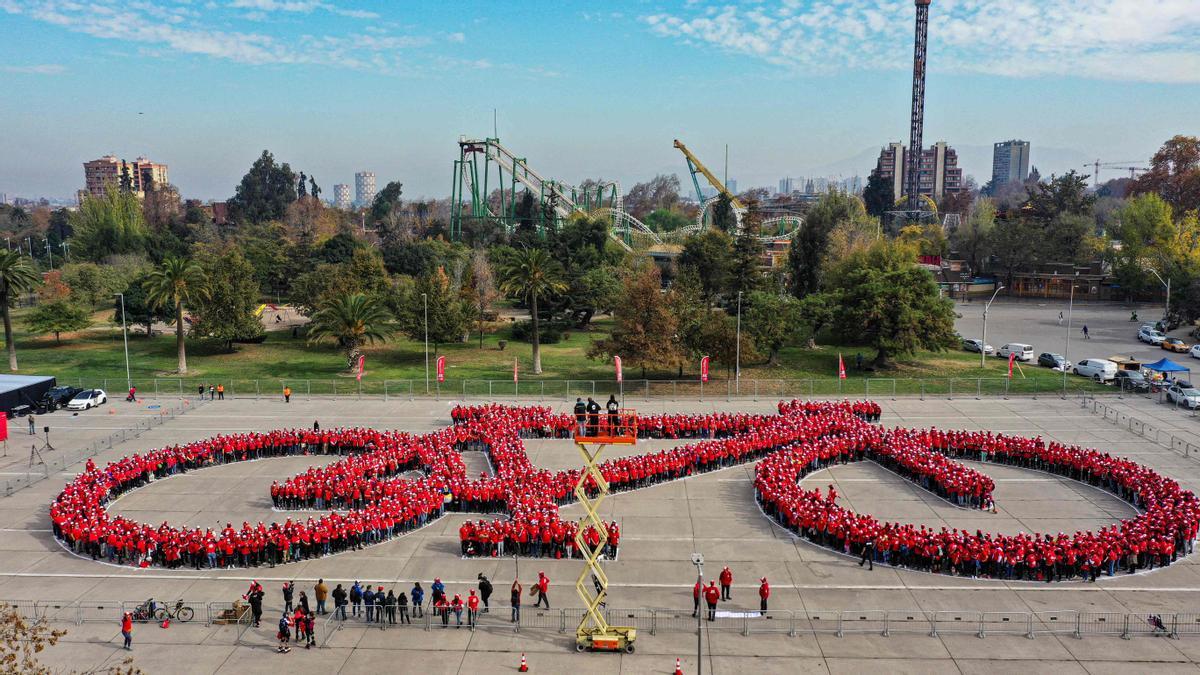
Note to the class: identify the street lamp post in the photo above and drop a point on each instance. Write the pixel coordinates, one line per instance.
(986, 307)
(125, 338)
(425, 302)
(50, 252)
(1067, 348)
(1167, 283)
(698, 561)
(737, 360)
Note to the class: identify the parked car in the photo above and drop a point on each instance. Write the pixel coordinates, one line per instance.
(1183, 393)
(1024, 352)
(976, 345)
(1195, 351)
(88, 398)
(1100, 370)
(1132, 380)
(1150, 336)
(1174, 344)
(1055, 361)
(57, 397)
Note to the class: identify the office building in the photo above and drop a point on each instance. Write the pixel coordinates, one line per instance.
(1010, 162)
(364, 188)
(141, 175)
(3, 198)
(786, 186)
(939, 171)
(341, 196)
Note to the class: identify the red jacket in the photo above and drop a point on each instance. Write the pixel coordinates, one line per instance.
(696, 590)
(712, 594)
(764, 591)
(726, 577)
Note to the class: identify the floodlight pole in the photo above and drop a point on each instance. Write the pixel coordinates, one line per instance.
(986, 307)
(1167, 306)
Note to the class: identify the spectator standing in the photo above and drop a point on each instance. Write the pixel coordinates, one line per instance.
(389, 604)
(255, 597)
(711, 595)
(380, 604)
(457, 605)
(438, 589)
(726, 583)
(321, 592)
(212, 393)
(696, 598)
(284, 634)
(580, 417)
(472, 608)
(288, 589)
(612, 407)
(355, 598)
(515, 601)
(402, 603)
(542, 590)
(485, 591)
(287, 394)
(764, 592)
(127, 630)
(339, 602)
(220, 392)
(418, 599)
(32, 426)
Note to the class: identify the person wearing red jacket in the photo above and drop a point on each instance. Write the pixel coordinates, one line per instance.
(764, 592)
(711, 595)
(472, 608)
(127, 630)
(542, 588)
(726, 583)
(696, 598)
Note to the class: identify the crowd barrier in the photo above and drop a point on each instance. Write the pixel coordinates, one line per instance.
(644, 389)
(53, 461)
(653, 621)
(1148, 430)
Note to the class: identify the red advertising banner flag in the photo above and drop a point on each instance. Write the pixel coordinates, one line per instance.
(704, 369)
(841, 368)
(1012, 356)
(617, 365)
(441, 369)
(362, 360)
(3, 427)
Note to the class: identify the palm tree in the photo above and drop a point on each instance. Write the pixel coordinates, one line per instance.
(532, 274)
(177, 282)
(16, 276)
(350, 321)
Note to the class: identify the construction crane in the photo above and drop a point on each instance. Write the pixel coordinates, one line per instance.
(1119, 166)
(695, 166)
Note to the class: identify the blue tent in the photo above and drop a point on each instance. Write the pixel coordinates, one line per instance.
(1166, 366)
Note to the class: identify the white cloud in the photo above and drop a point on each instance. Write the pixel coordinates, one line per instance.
(302, 7)
(37, 69)
(1102, 39)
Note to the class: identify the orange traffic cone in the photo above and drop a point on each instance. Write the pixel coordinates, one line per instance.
(678, 667)
(166, 623)
(524, 666)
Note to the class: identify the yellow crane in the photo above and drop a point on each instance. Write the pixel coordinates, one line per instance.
(695, 166)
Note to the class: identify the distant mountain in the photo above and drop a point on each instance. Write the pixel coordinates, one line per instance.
(975, 160)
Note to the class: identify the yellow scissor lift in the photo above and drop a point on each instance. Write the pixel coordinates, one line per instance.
(594, 632)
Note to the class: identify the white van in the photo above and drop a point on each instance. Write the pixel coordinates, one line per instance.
(1023, 352)
(1101, 370)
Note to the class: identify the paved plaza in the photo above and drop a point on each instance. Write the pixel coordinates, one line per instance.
(714, 514)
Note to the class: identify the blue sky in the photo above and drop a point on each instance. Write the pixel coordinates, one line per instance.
(583, 89)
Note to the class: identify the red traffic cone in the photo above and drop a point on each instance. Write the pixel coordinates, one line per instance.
(678, 667)
(166, 623)
(524, 666)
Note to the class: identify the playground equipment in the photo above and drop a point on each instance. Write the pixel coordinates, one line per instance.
(594, 632)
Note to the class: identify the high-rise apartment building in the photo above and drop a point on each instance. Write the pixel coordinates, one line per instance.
(364, 188)
(939, 171)
(786, 186)
(1010, 162)
(341, 196)
(141, 175)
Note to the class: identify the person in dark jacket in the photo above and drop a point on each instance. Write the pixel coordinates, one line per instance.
(339, 602)
(288, 589)
(593, 410)
(485, 591)
(256, 604)
(418, 600)
(355, 598)
(402, 603)
(389, 604)
(580, 417)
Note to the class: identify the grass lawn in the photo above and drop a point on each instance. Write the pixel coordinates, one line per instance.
(98, 353)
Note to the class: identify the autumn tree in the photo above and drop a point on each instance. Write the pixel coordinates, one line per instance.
(1174, 174)
(483, 291)
(645, 331)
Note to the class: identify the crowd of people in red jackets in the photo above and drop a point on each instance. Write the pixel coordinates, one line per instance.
(369, 499)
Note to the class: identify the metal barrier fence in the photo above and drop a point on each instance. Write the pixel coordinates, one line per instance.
(541, 389)
(60, 460)
(1148, 430)
(653, 621)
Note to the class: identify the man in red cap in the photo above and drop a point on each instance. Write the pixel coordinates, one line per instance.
(541, 588)
(472, 608)
(764, 592)
(726, 583)
(711, 595)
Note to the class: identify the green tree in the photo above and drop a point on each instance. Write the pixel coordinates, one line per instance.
(265, 192)
(889, 302)
(723, 217)
(745, 273)
(973, 238)
(108, 224)
(87, 283)
(58, 316)
(598, 290)
(667, 220)
(1063, 195)
(226, 312)
(532, 275)
(809, 251)
(174, 283)
(710, 255)
(878, 196)
(771, 320)
(16, 276)
(815, 312)
(433, 296)
(1015, 242)
(350, 322)
(646, 329)
(139, 311)
(386, 207)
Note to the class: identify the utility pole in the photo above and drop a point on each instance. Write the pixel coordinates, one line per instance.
(986, 307)
(737, 362)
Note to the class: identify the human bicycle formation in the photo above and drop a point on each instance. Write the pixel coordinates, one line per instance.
(367, 499)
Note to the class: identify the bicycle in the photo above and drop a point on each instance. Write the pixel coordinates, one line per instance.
(180, 611)
(144, 611)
